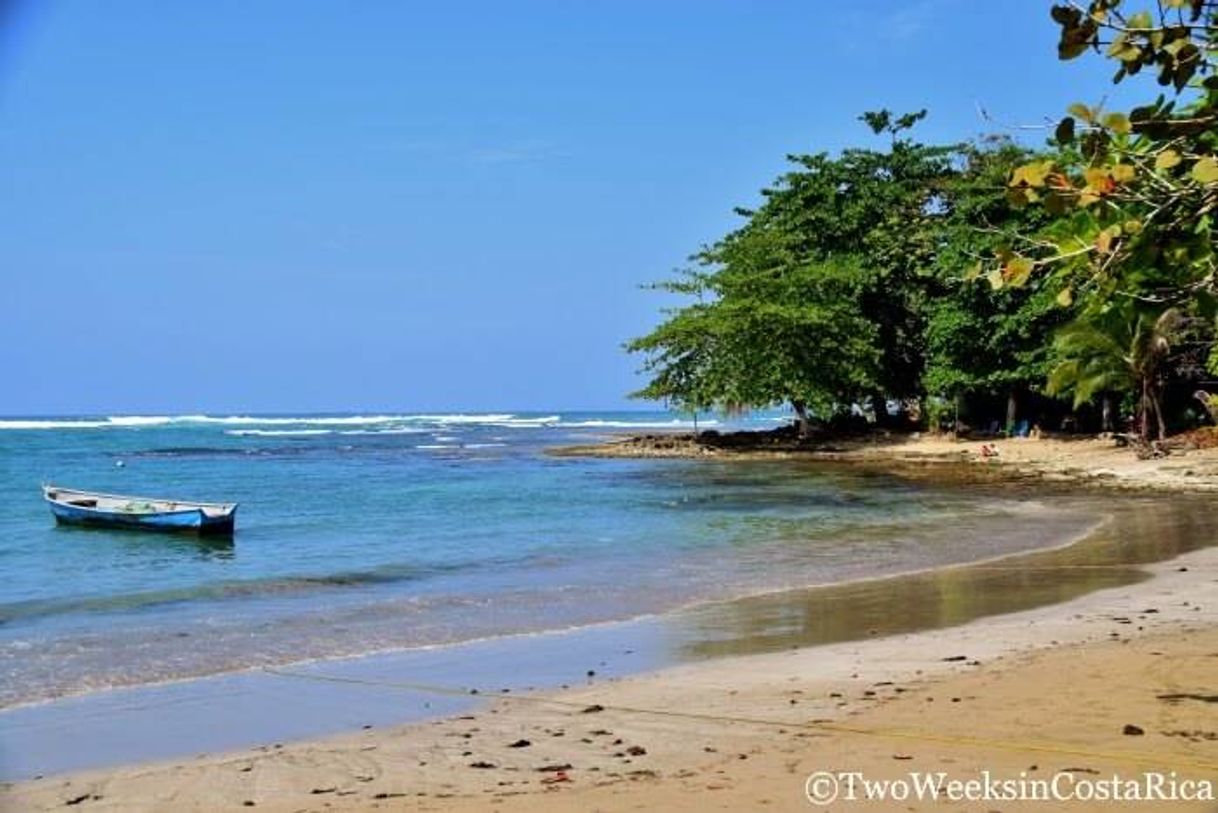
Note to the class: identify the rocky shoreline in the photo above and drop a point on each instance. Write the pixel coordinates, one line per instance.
(1187, 463)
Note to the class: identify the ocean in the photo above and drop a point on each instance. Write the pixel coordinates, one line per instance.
(372, 533)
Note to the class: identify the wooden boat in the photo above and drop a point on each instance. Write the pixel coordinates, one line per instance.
(141, 513)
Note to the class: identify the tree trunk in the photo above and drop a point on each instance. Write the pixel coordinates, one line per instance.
(1012, 411)
(805, 423)
(1106, 413)
(1158, 407)
(879, 405)
(1144, 406)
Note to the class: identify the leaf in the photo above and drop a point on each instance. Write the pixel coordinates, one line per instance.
(1018, 270)
(1081, 111)
(1205, 170)
(1123, 173)
(995, 278)
(1105, 239)
(1117, 123)
(1140, 20)
(1031, 175)
(1065, 298)
(1065, 131)
(1167, 159)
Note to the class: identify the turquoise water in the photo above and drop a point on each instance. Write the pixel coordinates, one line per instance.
(366, 533)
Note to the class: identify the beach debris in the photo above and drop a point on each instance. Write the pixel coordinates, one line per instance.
(248, 803)
(520, 744)
(1131, 730)
(1196, 735)
(559, 776)
(953, 658)
(594, 708)
(384, 795)
(557, 768)
(77, 799)
(902, 757)
(636, 750)
(1178, 696)
(320, 791)
(482, 764)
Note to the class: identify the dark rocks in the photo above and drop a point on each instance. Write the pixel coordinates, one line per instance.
(520, 744)
(1131, 730)
(595, 707)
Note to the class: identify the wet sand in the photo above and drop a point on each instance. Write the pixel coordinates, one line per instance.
(774, 687)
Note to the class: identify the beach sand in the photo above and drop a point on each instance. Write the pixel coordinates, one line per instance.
(1037, 692)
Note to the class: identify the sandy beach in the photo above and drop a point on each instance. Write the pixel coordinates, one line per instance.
(1116, 681)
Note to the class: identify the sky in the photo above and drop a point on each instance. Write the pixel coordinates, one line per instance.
(324, 206)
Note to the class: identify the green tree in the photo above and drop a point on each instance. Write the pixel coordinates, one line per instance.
(982, 337)
(819, 299)
(1119, 350)
(1135, 191)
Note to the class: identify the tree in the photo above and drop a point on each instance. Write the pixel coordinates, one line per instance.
(1114, 351)
(1135, 191)
(983, 338)
(818, 299)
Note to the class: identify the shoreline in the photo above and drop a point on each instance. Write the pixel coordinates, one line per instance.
(1072, 461)
(129, 786)
(1101, 521)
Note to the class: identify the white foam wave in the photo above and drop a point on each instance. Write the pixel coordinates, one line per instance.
(275, 433)
(393, 430)
(35, 424)
(137, 421)
(511, 422)
(673, 424)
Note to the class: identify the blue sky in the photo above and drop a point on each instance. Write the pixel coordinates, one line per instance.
(319, 206)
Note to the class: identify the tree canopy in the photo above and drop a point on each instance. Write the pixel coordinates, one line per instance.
(1084, 269)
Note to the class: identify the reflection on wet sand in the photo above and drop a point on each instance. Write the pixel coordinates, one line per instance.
(1140, 530)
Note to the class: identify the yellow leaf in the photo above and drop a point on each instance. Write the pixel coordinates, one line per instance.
(1132, 226)
(1123, 173)
(1065, 298)
(1206, 170)
(1117, 123)
(1096, 177)
(1167, 159)
(1031, 175)
(1081, 111)
(973, 272)
(995, 278)
(1105, 239)
(1017, 271)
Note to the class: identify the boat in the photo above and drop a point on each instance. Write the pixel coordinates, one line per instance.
(72, 507)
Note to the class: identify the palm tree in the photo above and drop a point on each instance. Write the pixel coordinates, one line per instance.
(1117, 351)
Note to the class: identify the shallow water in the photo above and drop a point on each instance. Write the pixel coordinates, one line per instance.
(366, 533)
